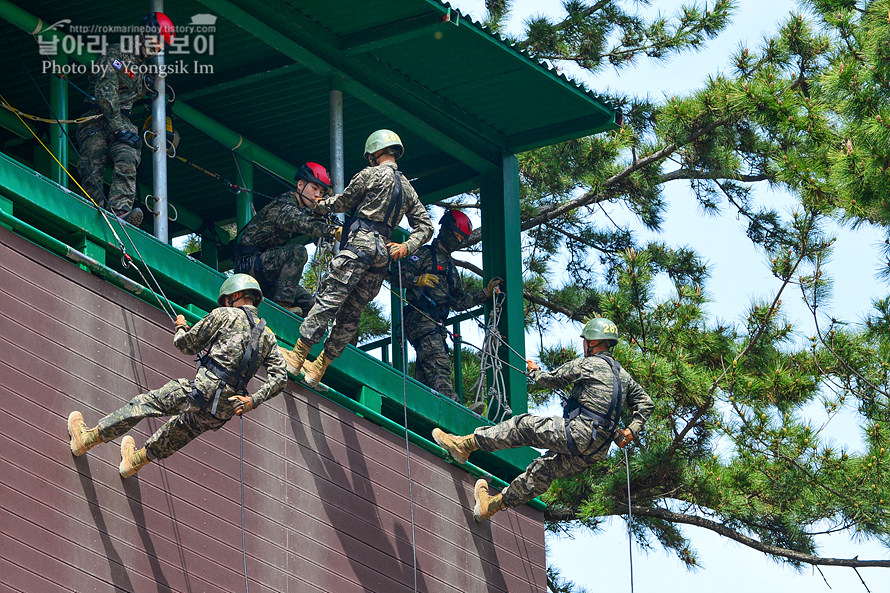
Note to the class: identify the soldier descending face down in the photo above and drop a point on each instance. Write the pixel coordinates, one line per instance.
(577, 440)
(117, 82)
(237, 341)
(433, 290)
(379, 196)
(264, 249)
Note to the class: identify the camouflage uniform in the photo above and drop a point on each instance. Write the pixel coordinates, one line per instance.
(592, 377)
(263, 250)
(357, 272)
(226, 332)
(433, 365)
(116, 86)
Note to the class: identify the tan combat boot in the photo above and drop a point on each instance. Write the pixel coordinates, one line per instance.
(316, 370)
(294, 360)
(82, 438)
(131, 459)
(486, 505)
(458, 447)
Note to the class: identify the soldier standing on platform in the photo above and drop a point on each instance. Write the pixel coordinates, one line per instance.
(116, 84)
(379, 196)
(263, 248)
(433, 290)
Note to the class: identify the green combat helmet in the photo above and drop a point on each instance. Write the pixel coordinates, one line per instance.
(383, 139)
(237, 283)
(600, 328)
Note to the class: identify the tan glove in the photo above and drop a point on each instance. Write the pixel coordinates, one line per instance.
(492, 284)
(180, 323)
(338, 233)
(427, 281)
(531, 365)
(623, 437)
(397, 250)
(246, 404)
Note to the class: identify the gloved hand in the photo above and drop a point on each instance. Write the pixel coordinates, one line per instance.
(129, 138)
(338, 233)
(531, 365)
(427, 280)
(397, 250)
(246, 404)
(623, 437)
(492, 284)
(180, 323)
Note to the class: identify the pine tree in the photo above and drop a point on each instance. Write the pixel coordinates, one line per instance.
(727, 447)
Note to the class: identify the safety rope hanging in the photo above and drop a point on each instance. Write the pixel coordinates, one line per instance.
(496, 394)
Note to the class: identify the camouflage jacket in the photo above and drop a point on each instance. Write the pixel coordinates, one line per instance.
(280, 221)
(369, 194)
(436, 301)
(592, 377)
(225, 332)
(117, 84)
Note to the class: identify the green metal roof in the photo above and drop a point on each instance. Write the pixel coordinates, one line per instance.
(458, 95)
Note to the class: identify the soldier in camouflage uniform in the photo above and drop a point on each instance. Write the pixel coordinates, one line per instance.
(218, 391)
(116, 84)
(379, 196)
(433, 289)
(264, 251)
(576, 441)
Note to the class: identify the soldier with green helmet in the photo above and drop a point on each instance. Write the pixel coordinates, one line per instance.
(600, 387)
(236, 342)
(377, 198)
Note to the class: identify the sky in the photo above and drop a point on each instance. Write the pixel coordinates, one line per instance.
(600, 561)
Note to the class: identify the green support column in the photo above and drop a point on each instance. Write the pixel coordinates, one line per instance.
(244, 200)
(502, 256)
(5, 206)
(458, 361)
(209, 251)
(58, 140)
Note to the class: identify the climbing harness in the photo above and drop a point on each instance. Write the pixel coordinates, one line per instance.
(237, 379)
(405, 408)
(572, 408)
(498, 405)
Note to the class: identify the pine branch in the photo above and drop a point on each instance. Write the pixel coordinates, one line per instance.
(685, 173)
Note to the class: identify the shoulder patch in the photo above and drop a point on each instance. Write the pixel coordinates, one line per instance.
(414, 258)
(117, 64)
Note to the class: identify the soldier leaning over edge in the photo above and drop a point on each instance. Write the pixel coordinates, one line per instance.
(577, 440)
(379, 195)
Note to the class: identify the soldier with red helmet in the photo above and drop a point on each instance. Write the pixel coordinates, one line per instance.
(264, 249)
(433, 290)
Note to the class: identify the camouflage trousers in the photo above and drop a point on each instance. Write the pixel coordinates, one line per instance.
(433, 364)
(344, 293)
(97, 147)
(526, 430)
(187, 420)
(278, 270)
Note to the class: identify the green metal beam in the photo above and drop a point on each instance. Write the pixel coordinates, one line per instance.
(392, 33)
(58, 133)
(237, 84)
(502, 256)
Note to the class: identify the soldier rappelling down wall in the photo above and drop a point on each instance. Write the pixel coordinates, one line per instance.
(379, 196)
(117, 82)
(263, 248)
(577, 440)
(434, 288)
(237, 341)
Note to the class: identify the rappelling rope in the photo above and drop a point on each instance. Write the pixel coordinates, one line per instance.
(126, 259)
(405, 408)
(630, 548)
(498, 406)
(47, 120)
(243, 546)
